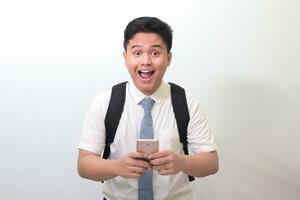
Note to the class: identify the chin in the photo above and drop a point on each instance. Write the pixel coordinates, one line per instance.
(146, 89)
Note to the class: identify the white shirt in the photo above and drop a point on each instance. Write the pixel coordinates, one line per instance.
(200, 139)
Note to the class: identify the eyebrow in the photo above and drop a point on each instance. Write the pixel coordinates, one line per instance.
(155, 46)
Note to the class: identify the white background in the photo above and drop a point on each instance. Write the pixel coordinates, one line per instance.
(241, 58)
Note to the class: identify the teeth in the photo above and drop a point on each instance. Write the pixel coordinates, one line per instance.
(145, 71)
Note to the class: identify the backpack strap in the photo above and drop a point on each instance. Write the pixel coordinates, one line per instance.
(182, 116)
(113, 115)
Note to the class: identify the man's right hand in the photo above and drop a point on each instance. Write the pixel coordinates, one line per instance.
(132, 165)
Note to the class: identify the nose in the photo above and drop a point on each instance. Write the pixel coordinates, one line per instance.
(146, 59)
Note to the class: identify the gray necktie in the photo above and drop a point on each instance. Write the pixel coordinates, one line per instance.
(145, 190)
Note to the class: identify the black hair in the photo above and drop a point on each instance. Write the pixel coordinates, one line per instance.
(148, 25)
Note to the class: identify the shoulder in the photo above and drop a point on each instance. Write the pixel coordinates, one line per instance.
(194, 105)
(191, 99)
(101, 101)
(103, 98)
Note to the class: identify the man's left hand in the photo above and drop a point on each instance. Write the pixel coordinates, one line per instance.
(167, 162)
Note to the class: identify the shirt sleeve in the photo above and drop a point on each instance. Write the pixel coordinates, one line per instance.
(93, 133)
(200, 138)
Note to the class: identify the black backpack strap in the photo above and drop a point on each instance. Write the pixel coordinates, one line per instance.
(113, 115)
(182, 115)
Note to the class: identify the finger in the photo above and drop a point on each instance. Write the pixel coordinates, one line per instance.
(159, 161)
(134, 175)
(158, 168)
(137, 170)
(159, 154)
(141, 163)
(132, 158)
(161, 167)
(136, 155)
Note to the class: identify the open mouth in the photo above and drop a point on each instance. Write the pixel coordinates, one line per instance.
(146, 74)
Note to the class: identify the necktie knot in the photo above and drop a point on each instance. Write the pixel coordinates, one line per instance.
(147, 103)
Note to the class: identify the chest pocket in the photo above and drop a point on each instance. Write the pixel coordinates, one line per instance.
(169, 140)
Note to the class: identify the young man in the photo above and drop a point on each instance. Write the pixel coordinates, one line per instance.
(147, 44)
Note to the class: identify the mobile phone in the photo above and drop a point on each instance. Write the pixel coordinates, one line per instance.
(147, 146)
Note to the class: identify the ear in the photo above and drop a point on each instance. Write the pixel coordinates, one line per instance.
(124, 56)
(169, 58)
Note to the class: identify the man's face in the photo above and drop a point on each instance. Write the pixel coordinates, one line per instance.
(146, 58)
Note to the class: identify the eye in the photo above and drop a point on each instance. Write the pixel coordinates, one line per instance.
(137, 53)
(155, 53)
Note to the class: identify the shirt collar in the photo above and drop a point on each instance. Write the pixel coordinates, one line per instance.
(157, 96)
